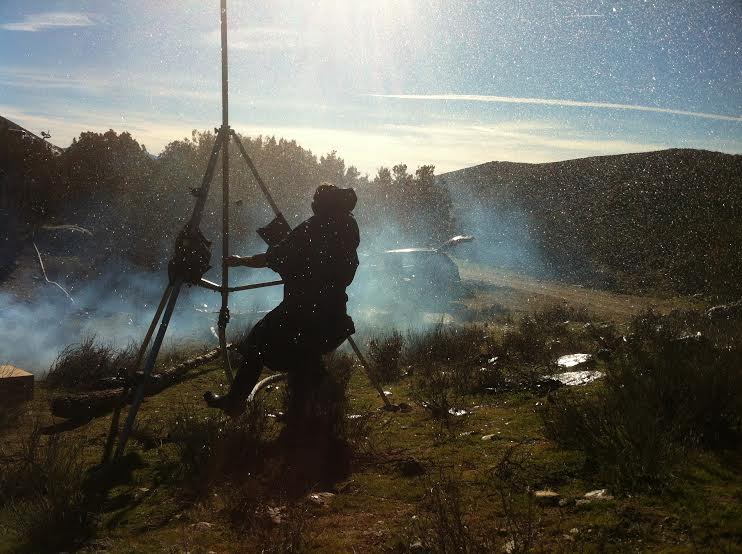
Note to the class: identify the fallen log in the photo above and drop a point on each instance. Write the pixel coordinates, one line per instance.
(82, 406)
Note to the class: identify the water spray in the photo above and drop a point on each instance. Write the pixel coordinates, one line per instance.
(191, 261)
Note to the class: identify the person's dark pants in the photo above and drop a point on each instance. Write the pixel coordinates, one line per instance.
(314, 402)
(288, 342)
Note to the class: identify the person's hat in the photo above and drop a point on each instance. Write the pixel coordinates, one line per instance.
(329, 199)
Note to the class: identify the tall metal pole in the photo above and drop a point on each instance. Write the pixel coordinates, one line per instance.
(224, 312)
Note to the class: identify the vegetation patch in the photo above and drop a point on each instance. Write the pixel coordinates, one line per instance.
(668, 389)
(44, 494)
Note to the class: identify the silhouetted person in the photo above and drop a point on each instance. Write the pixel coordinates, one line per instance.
(316, 261)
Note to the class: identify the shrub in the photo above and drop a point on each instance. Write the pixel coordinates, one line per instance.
(385, 353)
(452, 345)
(9, 414)
(537, 338)
(490, 313)
(434, 390)
(665, 391)
(443, 527)
(212, 446)
(45, 493)
(513, 486)
(80, 366)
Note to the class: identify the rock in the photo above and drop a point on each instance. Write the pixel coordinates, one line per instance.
(599, 494)
(509, 547)
(276, 514)
(410, 467)
(323, 499)
(417, 546)
(455, 412)
(488, 437)
(202, 526)
(546, 497)
(467, 433)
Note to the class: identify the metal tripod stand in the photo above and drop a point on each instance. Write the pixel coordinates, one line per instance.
(169, 299)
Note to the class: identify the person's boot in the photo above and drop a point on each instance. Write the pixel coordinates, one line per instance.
(229, 404)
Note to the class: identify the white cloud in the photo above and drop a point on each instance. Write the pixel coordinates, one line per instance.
(104, 85)
(256, 38)
(554, 102)
(33, 23)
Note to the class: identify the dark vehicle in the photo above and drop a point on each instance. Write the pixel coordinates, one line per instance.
(426, 276)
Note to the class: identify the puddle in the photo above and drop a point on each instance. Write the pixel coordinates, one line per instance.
(572, 360)
(576, 378)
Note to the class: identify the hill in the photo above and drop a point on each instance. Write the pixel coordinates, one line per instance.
(655, 220)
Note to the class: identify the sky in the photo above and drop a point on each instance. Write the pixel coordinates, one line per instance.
(449, 83)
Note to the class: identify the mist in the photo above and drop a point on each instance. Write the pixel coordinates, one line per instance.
(115, 304)
(503, 234)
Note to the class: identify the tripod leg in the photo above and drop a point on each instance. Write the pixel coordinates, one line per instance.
(255, 174)
(148, 366)
(151, 330)
(224, 311)
(113, 431)
(203, 191)
(222, 331)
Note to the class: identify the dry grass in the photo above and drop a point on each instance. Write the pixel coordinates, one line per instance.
(44, 491)
(80, 366)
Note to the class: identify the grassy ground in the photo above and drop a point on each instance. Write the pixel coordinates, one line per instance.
(520, 292)
(417, 482)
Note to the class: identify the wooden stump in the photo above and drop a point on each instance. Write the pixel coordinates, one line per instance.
(16, 385)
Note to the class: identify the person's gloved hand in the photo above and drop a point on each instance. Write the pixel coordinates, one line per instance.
(256, 261)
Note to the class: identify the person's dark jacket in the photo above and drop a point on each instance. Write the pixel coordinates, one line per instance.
(317, 262)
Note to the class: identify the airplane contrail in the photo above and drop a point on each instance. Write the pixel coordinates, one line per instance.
(556, 102)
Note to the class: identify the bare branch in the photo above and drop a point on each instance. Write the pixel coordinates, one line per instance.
(43, 270)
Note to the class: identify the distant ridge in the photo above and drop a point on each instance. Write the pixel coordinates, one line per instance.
(664, 219)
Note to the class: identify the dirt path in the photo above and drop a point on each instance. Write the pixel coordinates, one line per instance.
(521, 292)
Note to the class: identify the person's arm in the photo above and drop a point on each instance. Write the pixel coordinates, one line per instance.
(288, 257)
(257, 261)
